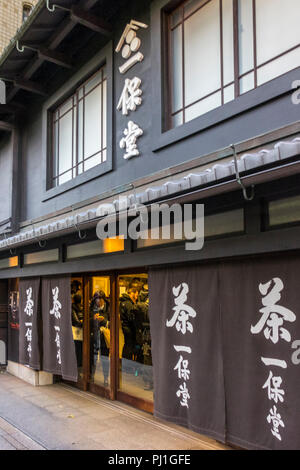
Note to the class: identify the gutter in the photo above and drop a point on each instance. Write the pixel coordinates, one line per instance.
(265, 176)
(267, 165)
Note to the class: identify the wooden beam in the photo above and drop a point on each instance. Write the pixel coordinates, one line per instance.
(55, 57)
(7, 75)
(41, 28)
(28, 85)
(59, 34)
(6, 126)
(7, 109)
(48, 55)
(12, 108)
(90, 21)
(20, 58)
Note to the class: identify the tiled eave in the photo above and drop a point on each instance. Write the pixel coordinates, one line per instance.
(249, 164)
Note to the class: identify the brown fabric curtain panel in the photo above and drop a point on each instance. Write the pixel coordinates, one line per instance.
(13, 326)
(226, 350)
(59, 348)
(30, 323)
(186, 348)
(261, 333)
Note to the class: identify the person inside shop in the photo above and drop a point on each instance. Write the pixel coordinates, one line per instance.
(77, 320)
(128, 311)
(143, 337)
(75, 287)
(100, 317)
(136, 284)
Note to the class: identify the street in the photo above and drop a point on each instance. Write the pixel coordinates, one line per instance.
(59, 417)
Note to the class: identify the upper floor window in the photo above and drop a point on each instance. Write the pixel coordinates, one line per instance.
(79, 130)
(220, 49)
(27, 8)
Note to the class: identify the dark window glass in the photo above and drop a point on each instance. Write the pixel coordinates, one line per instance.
(27, 8)
(284, 211)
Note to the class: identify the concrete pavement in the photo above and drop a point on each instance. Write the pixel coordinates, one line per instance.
(61, 417)
(12, 438)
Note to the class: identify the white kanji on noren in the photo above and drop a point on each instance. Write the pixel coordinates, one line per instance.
(28, 336)
(56, 304)
(183, 393)
(273, 315)
(182, 369)
(29, 312)
(57, 341)
(183, 312)
(29, 303)
(275, 418)
(131, 134)
(273, 384)
(131, 96)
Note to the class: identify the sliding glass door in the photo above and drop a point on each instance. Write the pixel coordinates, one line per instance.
(111, 332)
(135, 377)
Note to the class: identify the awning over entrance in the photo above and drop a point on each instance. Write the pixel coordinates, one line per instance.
(254, 168)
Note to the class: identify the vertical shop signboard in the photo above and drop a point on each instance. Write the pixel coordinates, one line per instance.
(131, 97)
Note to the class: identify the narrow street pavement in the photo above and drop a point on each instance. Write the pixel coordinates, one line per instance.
(60, 417)
(12, 438)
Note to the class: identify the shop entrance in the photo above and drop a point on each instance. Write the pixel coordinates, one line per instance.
(111, 332)
(135, 377)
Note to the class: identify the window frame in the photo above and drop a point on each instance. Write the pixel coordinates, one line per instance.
(104, 57)
(266, 224)
(9, 257)
(37, 252)
(238, 76)
(170, 28)
(29, 6)
(75, 99)
(162, 136)
(69, 259)
(216, 211)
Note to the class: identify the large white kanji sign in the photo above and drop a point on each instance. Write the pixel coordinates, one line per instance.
(131, 96)
(129, 142)
(130, 44)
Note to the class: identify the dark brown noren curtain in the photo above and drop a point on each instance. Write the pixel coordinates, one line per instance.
(59, 347)
(29, 318)
(186, 348)
(261, 331)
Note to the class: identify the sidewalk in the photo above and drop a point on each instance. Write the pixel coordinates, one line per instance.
(60, 417)
(13, 439)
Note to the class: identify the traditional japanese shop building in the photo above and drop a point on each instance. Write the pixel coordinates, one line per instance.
(189, 102)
